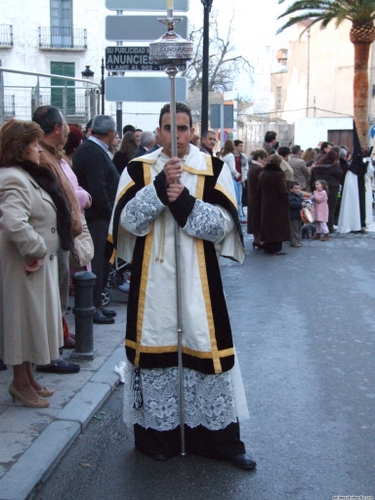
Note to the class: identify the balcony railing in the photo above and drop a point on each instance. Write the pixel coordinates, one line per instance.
(9, 106)
(6, 35)
(56, 37)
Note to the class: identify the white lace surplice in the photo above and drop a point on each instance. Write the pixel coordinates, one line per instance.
(213, 401)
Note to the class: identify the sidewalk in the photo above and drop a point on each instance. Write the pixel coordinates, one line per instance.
(33, 440)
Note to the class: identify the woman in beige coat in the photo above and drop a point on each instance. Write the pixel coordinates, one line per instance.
(34, 222)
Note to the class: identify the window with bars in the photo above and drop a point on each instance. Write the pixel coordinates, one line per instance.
(61, 23)
(278, 98)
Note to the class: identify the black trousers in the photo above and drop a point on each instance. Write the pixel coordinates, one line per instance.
(221, 444)
(100, 266)
(273, 247)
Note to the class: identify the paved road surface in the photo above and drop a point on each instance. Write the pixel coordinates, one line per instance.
(304, 329)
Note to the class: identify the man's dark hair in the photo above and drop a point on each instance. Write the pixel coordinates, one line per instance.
(296, 149)
(324, 145)
(293, 183)
(128, 128)
(237, 142)
(138, 130)
(205, 134)
(180, 108)
(47, 117)
(270, 136)
(89, 124)
(284, 151)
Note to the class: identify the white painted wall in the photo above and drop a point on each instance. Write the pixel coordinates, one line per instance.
(25, 17)
(308, 132)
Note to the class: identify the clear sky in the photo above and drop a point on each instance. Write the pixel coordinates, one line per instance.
(254, 27)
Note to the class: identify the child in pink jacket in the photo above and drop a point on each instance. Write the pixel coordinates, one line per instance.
(320, 210)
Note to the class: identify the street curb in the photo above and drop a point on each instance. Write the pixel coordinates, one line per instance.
(40, 459)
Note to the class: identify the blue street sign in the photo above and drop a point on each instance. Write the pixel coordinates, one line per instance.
(139, 28)
(372, 132)
(149, 5)
(143, 89)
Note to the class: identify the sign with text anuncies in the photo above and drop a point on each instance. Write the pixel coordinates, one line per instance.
(132, 59)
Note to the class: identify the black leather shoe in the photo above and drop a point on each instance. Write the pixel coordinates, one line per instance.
(101, 319)
(243, 461)
(159, 457)
(59, 366)
(108, 312)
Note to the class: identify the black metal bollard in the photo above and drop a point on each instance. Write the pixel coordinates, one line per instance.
(83, 311)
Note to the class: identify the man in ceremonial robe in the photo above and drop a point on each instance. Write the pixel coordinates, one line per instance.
(194, 191)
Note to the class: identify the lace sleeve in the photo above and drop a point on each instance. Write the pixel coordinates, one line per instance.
(208, 222)
(141, 211)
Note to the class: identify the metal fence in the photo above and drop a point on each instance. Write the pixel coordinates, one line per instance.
(78, 99)
(58, 37)
(251, 130)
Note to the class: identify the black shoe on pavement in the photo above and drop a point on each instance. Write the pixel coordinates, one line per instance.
(243, 461)
(3, 366)
(101, 319)
(108, 312)
(59, 366)
(159, 457)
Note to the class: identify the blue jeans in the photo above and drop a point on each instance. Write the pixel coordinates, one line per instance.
(238, 188)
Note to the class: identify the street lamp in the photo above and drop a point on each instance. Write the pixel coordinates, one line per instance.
(88, 75)
(207, 4)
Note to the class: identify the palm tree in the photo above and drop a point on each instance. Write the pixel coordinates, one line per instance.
(362, 15)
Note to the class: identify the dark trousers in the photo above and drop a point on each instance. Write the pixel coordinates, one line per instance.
(100, 266)
(221, 444)
(273, 247)
(295, 231)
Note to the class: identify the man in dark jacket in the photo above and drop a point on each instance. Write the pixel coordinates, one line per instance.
(147, 142)
(98, 175)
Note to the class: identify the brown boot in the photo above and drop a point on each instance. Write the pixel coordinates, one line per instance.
(326, 237)
(316, 236)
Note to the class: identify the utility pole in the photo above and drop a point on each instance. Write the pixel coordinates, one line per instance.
(207, 4)
(102, 90)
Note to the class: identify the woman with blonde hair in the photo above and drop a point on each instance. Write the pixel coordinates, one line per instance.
(35, 222)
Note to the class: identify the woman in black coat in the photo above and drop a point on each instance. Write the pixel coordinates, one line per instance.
(328, 169)
(275, 226)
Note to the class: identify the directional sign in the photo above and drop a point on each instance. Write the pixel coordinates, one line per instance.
(139, 28)
(215, 115)
(149, 5)
(372, 132)
(143, 89)
(132, 59)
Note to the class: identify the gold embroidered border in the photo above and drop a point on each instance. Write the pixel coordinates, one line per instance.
(207, 301)
(144, 271)
(123, 191)
(173, 348)
(226, 194)
(208, 171)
